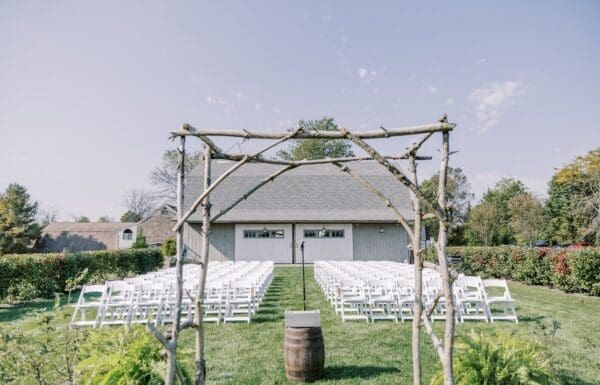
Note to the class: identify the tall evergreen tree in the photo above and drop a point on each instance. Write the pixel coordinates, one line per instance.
(18, 228)
(317, 148)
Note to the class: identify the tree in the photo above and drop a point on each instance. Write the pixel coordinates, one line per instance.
(18, 228)
(483, 225)
(104, 219)
(573, 206)
(164, 177)
(169, 247)
(82, 219)
(459, 197)
(317, 148)
(140, 241)
(499, 196)
(138, 203)
(527, 217)
(128, 216)
(47, 215)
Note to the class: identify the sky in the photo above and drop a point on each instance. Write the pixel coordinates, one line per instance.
(89, 91)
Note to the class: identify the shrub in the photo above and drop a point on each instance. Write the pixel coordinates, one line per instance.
(121, 357)
(498, 359)
(140, 241)
(169, 247)
(568, 270)
(23, 277)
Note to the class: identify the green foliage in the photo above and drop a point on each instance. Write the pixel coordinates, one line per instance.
(121, 357)
(317, 148)
(568, 270)
(499, 359)
(500, 197)
(483, 225)
(42, 350)
(129, 216)
(573, 206)
(82, 219)
(29, 276)
(18, 229)
(169, 247)
(526, 217)
(140, 241)
(458, 196)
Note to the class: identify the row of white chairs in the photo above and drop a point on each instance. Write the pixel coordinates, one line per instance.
(233, 292)
(384, 290)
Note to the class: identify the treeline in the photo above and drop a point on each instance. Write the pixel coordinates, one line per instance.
(509, 213)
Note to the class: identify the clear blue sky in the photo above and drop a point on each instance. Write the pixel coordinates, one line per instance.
(89, 91)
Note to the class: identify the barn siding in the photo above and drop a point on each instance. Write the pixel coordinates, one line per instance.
(221, 240)
(370, 244)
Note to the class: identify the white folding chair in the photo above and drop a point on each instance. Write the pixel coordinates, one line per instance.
(497, 295)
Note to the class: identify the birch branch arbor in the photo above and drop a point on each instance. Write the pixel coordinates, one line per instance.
(443, 346)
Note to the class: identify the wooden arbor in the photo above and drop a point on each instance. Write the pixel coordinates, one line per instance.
(421, 207)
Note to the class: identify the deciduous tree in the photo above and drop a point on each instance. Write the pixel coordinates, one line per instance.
(138, 203)
(499, 196)
(164, 177)
(459, 197)
(573, 206)
(527, 217)
(317, 148)
(484, 224)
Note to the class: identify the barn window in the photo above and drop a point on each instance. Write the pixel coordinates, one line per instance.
(127, 235)
(264, 233)
(323, 233)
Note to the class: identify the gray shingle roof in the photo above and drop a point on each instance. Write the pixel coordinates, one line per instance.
(315, 193)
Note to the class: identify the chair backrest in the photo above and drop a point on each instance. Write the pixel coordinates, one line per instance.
(497, 284)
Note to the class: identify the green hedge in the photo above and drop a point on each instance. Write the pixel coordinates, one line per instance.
(27, 276)
(568, 270)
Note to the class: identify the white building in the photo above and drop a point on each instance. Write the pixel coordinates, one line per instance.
(328, 210)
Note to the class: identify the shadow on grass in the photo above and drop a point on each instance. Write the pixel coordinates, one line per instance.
(16, 312)
(343, 372)
(270, 309)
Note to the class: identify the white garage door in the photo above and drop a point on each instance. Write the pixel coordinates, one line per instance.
(324, 241)
(263, 243)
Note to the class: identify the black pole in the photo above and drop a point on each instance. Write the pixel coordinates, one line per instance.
(303, 280)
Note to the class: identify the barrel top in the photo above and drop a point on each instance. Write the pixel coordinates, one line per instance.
(299, 319)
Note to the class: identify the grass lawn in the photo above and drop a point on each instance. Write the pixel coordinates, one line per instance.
(360, 353)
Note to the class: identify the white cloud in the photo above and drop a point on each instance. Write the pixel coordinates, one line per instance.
(257, 106)
(365, 73)
(326, 18)
(449, 101)
(481, 61)
(432, 90)
(345, 39)
(240, 96)
(276, 110)
(488, 100)
(210, 99)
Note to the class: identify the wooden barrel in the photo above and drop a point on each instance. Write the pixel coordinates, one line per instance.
(304, 354)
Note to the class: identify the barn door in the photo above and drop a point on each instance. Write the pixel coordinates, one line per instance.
(260, 242)
(323, 241)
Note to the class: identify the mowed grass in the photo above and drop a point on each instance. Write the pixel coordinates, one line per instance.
(380, 353)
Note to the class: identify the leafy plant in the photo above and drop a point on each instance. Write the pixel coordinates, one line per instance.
(500, 359)
(169, 247)
(132, 357)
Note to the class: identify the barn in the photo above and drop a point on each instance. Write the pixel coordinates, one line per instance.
(333, 215)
